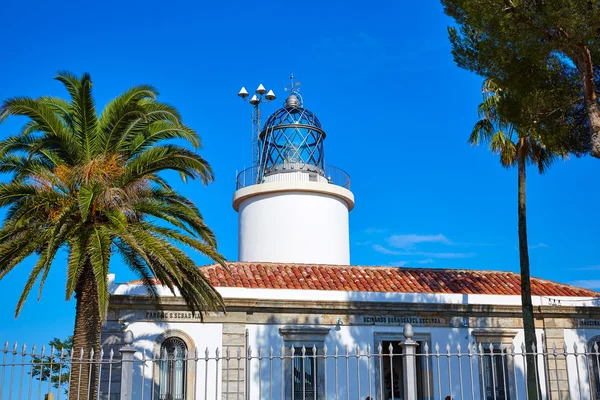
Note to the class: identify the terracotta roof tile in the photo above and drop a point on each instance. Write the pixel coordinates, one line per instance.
(380, 279)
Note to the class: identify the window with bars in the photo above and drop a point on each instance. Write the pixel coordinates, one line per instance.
(305, 369)
(304, 372)
(172, 370)
(495, 375)
(594, 360)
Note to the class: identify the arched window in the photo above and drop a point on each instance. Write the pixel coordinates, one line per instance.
(172, 370)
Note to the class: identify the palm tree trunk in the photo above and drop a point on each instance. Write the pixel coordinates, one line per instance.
(528, 320)
(86, 337)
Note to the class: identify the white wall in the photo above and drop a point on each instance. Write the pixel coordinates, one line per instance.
(203, 335)
(267, 336)
(577, 369)
(294, 227)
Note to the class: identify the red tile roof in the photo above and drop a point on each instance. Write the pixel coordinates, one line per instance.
(381, 279)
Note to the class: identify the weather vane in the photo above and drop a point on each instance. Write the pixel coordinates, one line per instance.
(293, 88)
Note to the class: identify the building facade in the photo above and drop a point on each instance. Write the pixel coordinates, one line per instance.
(301, 323)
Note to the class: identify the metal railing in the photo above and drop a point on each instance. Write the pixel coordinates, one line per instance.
(404, 370)
(254, 175)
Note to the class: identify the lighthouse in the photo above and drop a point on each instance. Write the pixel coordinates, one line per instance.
(292, 206)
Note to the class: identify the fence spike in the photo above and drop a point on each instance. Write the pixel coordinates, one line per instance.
(33, 351)
(533, 348)
(325, 349)
(368, 349)
(217, 354)
(111, 354)
(348, 350)
(575, 349)
(197, 353)
(185, 353)
(380, 348)
(91, 353)
(227, 354)
(260, 352)
(391, 349)
(458, 348)
(23, 350)
(271, 352)
(6, 346)
(43, 351)
(81, 352)
(565, 349)
(206, 353)
(336, 352)
(15, 348)
(314, 349)
(491, 347)
(358, 350)
(282, 351)
(512, 348)
(249, 351)
(239, 353)
(480, 348)
(437, 349)
(448, 348)
(596, 347)
(426, 348)
(470, 349)
(303, 351)
(585, 348)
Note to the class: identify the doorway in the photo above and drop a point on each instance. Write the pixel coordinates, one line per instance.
(392, 371)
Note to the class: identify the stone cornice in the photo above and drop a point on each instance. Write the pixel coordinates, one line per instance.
(354, 307)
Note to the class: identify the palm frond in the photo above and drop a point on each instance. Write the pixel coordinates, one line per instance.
(94, 184)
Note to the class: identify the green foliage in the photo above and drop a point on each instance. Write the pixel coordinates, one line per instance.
(535, 49)
(54, 366)
(499, 113)
(92, 185)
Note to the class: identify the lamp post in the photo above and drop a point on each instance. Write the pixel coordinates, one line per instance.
(261, 96)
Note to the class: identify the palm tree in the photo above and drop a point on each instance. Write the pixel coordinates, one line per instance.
(520, 148)
(92, 185)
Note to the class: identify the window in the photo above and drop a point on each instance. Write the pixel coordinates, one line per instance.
(172, 370)
(496, 368)
(495, 375)
(305, 372)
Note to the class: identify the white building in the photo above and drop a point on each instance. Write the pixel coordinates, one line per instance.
(296, 289)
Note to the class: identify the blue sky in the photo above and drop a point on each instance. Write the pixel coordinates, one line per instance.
(380, 77)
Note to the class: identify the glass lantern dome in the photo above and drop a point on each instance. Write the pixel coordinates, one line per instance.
(292, 140)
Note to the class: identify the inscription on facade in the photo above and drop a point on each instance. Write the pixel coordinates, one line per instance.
(588, 323)
(169, 315)
(398, 320)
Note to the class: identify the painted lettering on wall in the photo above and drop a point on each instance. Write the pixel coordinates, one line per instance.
(588, 323)
(163, 315)
(398, 320)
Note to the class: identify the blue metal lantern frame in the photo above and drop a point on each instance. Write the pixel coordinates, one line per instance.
(292, 139)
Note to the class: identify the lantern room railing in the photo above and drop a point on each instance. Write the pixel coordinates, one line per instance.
(255, 176)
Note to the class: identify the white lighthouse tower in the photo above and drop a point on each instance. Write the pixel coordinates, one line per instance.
(292, 206)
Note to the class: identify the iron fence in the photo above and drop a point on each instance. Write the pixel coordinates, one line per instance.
(409, 369)
(254, 175)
